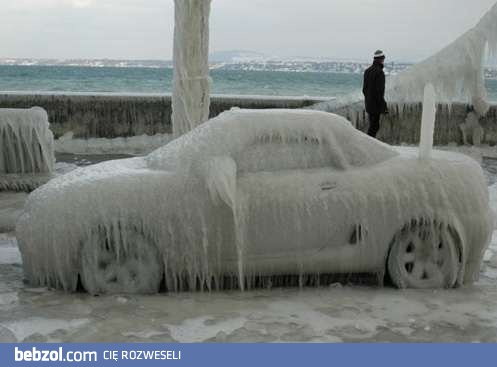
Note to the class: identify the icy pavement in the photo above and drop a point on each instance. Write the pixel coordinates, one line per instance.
(329, 314)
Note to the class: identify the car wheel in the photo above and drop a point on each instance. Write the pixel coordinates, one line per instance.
(424, 255)
(114, 262)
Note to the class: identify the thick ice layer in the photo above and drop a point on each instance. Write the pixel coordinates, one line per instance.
(191, 83)
(27, 149)
(245, 199)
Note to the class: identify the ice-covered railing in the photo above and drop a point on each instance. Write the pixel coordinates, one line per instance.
(456, 72)
(26, 149)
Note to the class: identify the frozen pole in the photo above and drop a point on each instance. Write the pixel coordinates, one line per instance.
(428, 122)
(191, 82)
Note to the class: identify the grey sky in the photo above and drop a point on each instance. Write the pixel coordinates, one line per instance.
(143, 29)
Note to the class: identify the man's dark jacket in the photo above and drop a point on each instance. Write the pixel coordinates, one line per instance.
(374, 89)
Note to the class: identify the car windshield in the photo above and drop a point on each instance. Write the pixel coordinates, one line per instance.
(361, 150)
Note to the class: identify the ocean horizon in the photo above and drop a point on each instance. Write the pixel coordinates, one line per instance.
(135, 80)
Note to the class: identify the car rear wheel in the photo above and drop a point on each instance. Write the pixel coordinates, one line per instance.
(424, 255)
(120, 262)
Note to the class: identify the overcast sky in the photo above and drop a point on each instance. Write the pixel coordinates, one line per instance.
(407, 30)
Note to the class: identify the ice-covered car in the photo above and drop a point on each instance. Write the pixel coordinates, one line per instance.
(254, 195)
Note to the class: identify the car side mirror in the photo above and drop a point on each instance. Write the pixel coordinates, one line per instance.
(220, 179)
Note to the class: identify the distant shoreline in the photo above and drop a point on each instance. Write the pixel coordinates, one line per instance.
(230, 67)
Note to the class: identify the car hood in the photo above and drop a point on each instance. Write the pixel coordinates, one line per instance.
(413, 153)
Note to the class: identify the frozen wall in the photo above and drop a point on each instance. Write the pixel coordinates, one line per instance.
(114, 115)
(191, 83)
(403, 123)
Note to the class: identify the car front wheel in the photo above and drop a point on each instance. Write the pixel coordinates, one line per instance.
(120, 262)
(424, 255)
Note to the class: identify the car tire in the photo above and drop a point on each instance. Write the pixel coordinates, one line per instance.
(120, 262)
(424, 255)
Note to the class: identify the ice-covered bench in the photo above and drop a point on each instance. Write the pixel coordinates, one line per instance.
(27, 157)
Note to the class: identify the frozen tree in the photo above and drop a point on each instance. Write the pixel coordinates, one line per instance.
(191, 82)
(457, 71)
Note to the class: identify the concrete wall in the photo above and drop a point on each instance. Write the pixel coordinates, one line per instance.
(113, 115)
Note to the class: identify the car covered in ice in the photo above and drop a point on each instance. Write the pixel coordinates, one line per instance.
(257, 195)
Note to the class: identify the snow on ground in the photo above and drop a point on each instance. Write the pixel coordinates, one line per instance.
(337, 313)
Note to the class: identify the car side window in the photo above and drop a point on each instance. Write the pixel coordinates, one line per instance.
(274, 152)
(362, 151)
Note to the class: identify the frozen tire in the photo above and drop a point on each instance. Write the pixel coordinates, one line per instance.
(424, 255)
(119, 263)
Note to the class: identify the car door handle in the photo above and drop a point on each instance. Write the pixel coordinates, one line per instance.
(328, 186)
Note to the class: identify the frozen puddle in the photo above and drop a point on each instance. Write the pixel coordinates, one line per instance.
(328, 314)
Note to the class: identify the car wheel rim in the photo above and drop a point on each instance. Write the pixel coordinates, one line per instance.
(425, 258)
(128, 264)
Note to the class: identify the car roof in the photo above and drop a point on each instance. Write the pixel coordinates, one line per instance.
(232, 130)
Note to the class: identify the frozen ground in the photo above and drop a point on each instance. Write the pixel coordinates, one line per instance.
(332, 314)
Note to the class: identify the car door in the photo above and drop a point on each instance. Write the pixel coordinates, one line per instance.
(307, 203)
(290, 199)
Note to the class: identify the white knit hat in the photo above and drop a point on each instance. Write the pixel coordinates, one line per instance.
(379, 54)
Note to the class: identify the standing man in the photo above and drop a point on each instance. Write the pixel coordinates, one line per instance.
(374, 92)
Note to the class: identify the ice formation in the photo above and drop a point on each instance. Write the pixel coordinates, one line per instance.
(191, 83)
(428, 122)
(27, 149)
(456, 72)
(249, 199)
(472, 128)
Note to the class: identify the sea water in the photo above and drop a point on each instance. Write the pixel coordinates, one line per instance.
(159, 80)
(148, 80)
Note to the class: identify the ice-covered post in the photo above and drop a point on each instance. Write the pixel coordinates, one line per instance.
(427, 122)
(191, 82)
